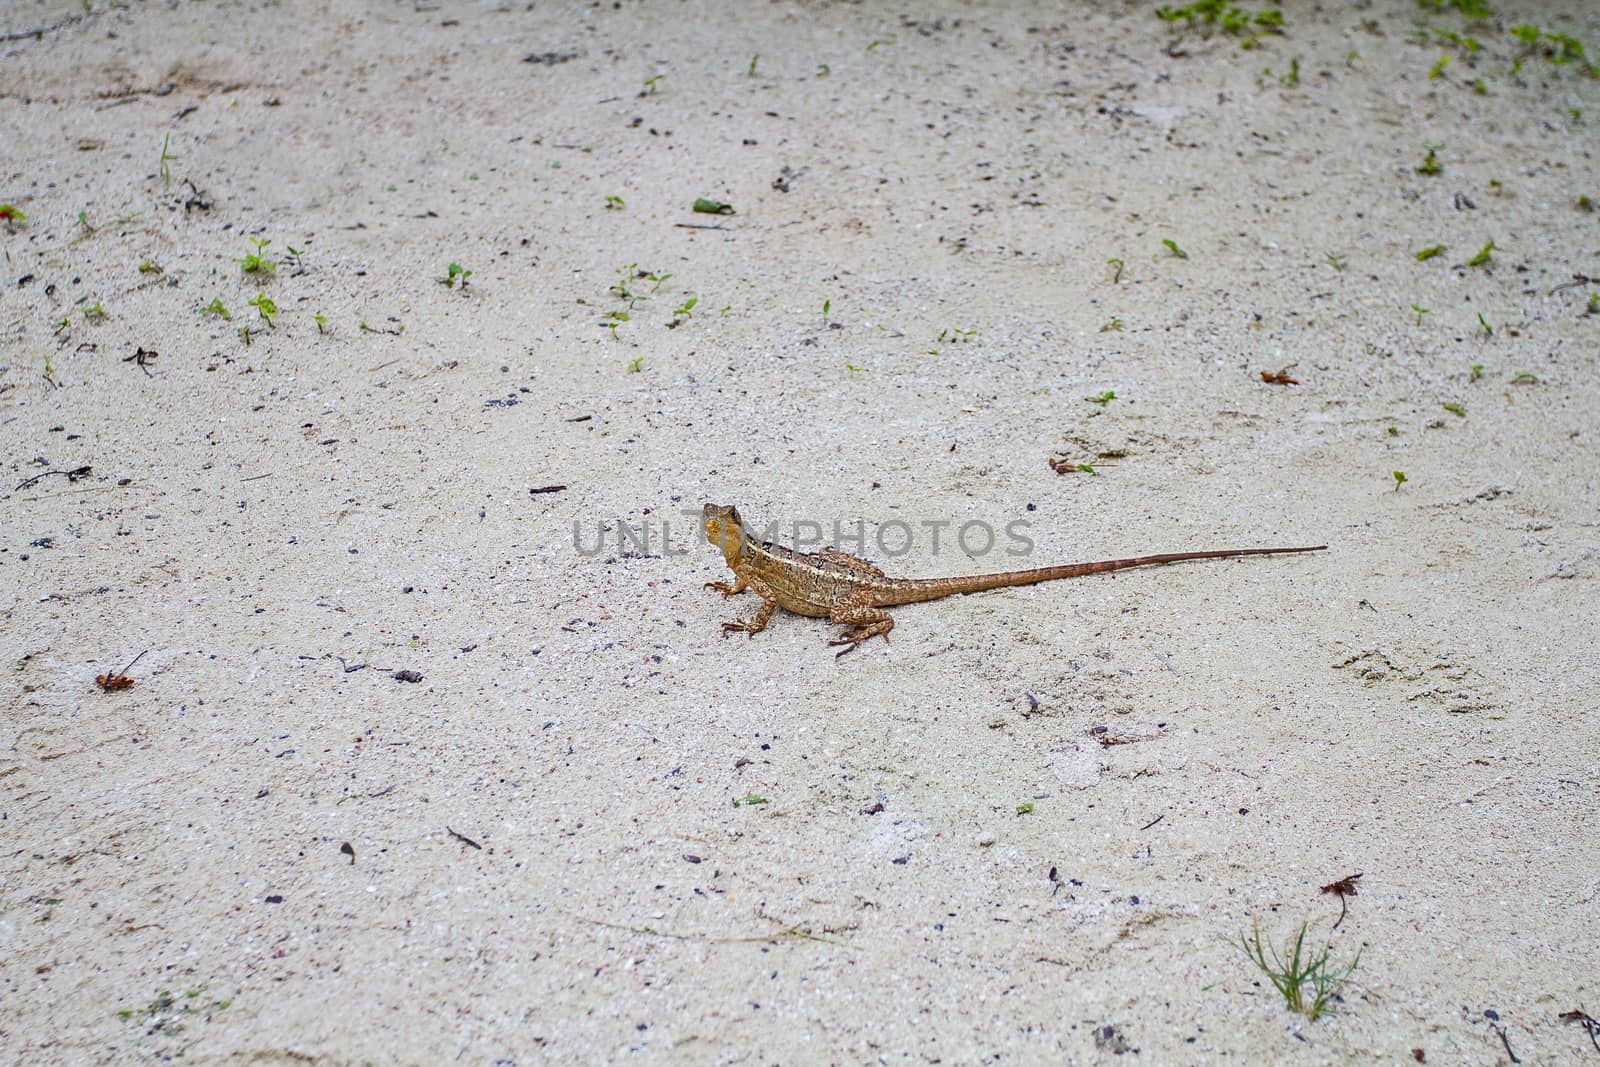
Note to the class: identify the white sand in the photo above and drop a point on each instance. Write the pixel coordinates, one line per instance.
(1417, 704)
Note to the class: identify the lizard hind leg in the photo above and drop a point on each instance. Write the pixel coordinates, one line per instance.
(865, 622)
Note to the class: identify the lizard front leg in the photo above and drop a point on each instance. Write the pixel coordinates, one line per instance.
(739, 585)
(866, 622)
(769, 604)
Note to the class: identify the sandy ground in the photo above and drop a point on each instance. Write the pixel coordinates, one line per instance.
(594, 830)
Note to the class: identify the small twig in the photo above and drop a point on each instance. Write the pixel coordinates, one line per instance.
(463, 839)
(72, 476)
(1497, 1028)
(697, 226)
(1590, 1024)
(547, 489)
(1153, 821)
(1577, 280)
(792, 932)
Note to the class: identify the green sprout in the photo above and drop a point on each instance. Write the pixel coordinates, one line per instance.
(955, 337)
(1458, 410)
(749, 800)
(1114, 324)
(1430, 164)
(94, 312)
(614, 203)
(753, 61)
(11, 214)
(1483, 324)
(650, 84)
(1116, 270)
(617, 319)
(1337, 261)
(1593, 306)
(147, 267)
(635, 365)
(683, 311)
(1583, 203)
(322, 322)
(1437, 70)
(1103, 399)
(1523, 377)
(1475, 373)
(456, 272)
(1025, 808)
(827, 305)
(216, 308)
(1307, 981)
(265, 306)
(1399, 476)
(1421, 311)
(1428, 253)
(1482, 257)
(256, 262)
(1173, 249)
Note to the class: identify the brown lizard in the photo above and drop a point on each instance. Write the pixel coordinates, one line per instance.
(841, 588)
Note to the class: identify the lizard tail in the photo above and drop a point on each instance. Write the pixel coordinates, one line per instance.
(917, 590)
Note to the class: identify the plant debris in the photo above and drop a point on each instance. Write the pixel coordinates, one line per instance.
(1344, 887)
(111, 683)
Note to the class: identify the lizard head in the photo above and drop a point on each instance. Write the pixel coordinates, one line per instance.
(725, 530)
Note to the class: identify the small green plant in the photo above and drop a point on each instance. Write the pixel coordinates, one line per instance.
(1583, 203)
(853, 369)
(749, 800)
(615, 203)
(1399, 476)
(651, 83)
(683, 310)
(1430, 164)
(147, 267)
(1437, 71)
(1421, 311)
(455, 272)
(1116, 270)
(827, 305)
(1337, 261)
(1458, 410)
(1523, 377)
(294, 254)
(617, 318)
(1114, 325)
(94, 312)
(1479, 87)
(1307, 981)
(955, 337)
(11, 214)
(1482, 257)
(1475, 373)
(636, 364)
(1593, 306)
(167, 1011)
(265, 306)
(1428, 253)
(1025, 808)
(1228, 17)
(704, 206)
(1173, 249)
(1483, 324)
(216, 308)
(322, 322)
(1104, 398)
(753, 61)
(1291, 79)
(256, 262)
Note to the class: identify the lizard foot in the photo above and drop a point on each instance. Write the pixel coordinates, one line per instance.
(739, 627)
(724, 588)
(852, 639)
